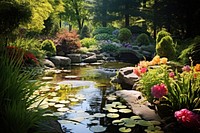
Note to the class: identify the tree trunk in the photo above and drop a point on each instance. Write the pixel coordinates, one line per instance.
(126, 16)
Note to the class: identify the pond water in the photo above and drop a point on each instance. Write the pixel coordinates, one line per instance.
(77, 95)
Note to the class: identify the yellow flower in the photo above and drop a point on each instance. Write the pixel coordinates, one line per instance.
(163, 60)
(143, 64)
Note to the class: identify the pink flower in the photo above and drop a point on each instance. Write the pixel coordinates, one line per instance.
(159, 90)
(186, 68)
(171, 74)
(187, 118)
(143, 70)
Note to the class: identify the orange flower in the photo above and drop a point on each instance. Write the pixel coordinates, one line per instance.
(143, 64)
(163, 60)
(156, 59)
(197, 68)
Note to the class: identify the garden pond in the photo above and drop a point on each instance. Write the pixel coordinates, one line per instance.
(82, 98)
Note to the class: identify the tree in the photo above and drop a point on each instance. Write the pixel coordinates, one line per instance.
(76, 12)
(12, 15)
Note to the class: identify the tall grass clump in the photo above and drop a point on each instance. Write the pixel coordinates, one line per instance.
(17, 113)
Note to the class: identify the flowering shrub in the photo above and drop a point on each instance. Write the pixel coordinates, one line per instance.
(159, 90)
(188, 118)
(173, 90)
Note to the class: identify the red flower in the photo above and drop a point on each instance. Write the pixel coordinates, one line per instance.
(30, 57)
(159, 90)
(187, 118)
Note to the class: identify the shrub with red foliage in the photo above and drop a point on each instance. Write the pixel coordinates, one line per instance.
(66, 41)
(19, 54)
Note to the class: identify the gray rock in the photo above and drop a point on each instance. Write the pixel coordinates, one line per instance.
(75, 58)
(48, 63)
(90, 59)
(60, 61)
(138, 104)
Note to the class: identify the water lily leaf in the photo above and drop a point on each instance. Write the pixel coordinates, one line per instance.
(117, 122)
(125, 130)
(112, 115)
(59, 105)
(144, 123)
(129, 125)
(62, 109)
(125, 110)
(51, 104)
(95, 121)
(153, 128)
(136, 117)
(121, 106)
(73, 99)
(113, 110)
(99, 115)
(64, 102)
(58, 113)
(97, 129)
(155, 122)
(109, 105)
(116, 103)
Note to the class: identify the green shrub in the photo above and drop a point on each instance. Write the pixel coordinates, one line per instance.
(49, 47)
(109, 48)
(143, 39)
(31, 45)
(100, 30)
(87, 42)
(85, 32)
(103, 36)
(161, 34)
(124, 35)
(165, 48)
(68, 42)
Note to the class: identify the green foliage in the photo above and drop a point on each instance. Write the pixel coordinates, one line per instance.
(49, 47)
(165, 48)
(17, 96)
(109, 48)
(32, 45)
(68, 42)
(161, 34)
(124, 35)
(85, 32)
(100, 30)
(103, 36)
(41, 10)
(12, 15)
(143, 39)
(87, 42)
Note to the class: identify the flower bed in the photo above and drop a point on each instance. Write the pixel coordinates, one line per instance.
(174, 94)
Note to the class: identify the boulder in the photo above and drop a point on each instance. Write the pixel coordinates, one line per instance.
(126, 77)
(60, 61)
(138, 104)
(48, 63)
(90, 59)
(75, 58)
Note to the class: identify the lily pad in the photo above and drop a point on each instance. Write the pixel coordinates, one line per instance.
(112, 115)
(99, 115)
(144, 123)
(64, 102)
(59, 105)
(121, 106)
(155, 122)
(116, 103)
(125, 130)
(113, 110)
(51, 104)
(97, 129)
(47, 78)
(129, 125)
(136, 117)
(62, 109)
(95, 121)
(117, 122)
(125, 110)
